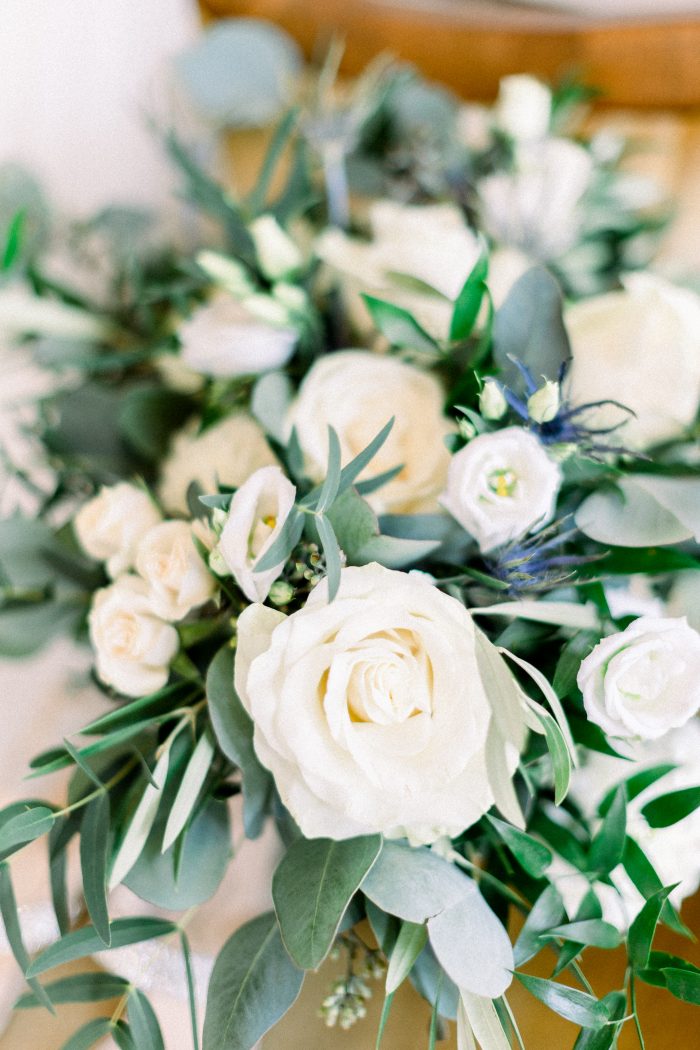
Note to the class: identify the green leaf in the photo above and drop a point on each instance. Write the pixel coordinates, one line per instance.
(26, 628)
(643, 874)
(399, 326)
(86, 941)
(642, 511)
(593, 932)
(13, 931)
(58, 873)
(395, 552)
(413, 884)
(331, 552)
(253, 984)
(287, 539)
(605, 1038)
(579, 1007)
(89, 1034)
(668, 809)
(383, 1020)
(25, 827)
(558, 751)
(546, 913)
(137, 711)
(529, 327)
(659, 962)
(684, 984)
(532, 855)
(94, 851)
(486, 968)
(329, 489)
(148, 418)
(13, 241)
(24, 545)
(80, 761)
(234, 733)
(641, 932)
(140, 824)
(608, 844)
(468, 302)
(354, 523)
(280, 139)
(144, 1023)
(191, 990)
(636, 784)
(312, 886)
(354, 468)
(190, 787)
(121, 1033)
(569, 663)
(90, 987)
(409, 944)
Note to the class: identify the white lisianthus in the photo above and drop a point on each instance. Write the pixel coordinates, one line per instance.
(277, 253)
(374, 712)
(111, 525)
(536, 206)
(543, 405)
(226, 453)
(524, 108)
(357, 392)
(255, 519)
(430, 243)
(645, 680)
(640, 347)
(492, 402)
(133, 646)
(168, 560)
(501, 486)
(228, 337)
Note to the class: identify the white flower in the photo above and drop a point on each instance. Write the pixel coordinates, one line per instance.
(431, 243)
(225, 337)
(373, 712)
(110, 526)
(536, 206)
(645, 680)
(256, 517)
(277, 253)
(168, 560)
(228, 273)
(640, 347)
(543, 405)
(357, 393)
(492, 402)
(226, 453)
(501, 486)
(523, 108)
(133, 645)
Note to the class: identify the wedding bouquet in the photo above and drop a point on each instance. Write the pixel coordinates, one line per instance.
(390, 538)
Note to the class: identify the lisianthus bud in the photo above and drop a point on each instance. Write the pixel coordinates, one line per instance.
(277, 253)
(544, 403)
(291, 296)
(492, 402)
(226, 272)
(524, 108)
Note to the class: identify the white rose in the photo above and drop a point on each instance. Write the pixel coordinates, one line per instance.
(644, 680)
(256, 517)
(429, 242)
(110, 526)
(168, 560)
(225, 337)
(277, 253)
(357, 393)
(640, 347)
(536, 206)
(524, 108)
(501, 486)
(226, 453)
(133, 645)
(372, 712)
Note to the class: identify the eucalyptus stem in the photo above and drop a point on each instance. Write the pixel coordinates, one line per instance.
(635, 1015)
(485, 876)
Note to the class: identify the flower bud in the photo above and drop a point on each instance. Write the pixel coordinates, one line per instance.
(277, 253)
(226, 272)
(544, 404)
(492, 402)
(291, 296)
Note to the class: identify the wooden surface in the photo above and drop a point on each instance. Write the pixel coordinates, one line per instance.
(470, 46)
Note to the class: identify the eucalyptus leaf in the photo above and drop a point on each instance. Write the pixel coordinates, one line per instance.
(13, 932)
(25, 826)
(140, 825)
(593, 932)
(190, 787)
(89, 1034)
(83, 942)
(144, 1023)
(579, 1007)
(312, 886)
(608, 843)
(409, 944)
(468, 302)
(399, 326)
(641, 932)
(94, 850)
(414, 884)
(532, 855)
(546, 913)
(90, 987)
(331, 553)
(253, 984)
(642, 511)
(529, 327)
(472, 946)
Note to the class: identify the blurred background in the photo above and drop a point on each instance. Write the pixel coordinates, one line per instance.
(85, 86)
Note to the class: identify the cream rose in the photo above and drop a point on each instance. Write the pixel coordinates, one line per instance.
(226, 453)
(373, 712)
(429, 242)
(227, 337)
(357, 393)
(645, 680)
(255, 519)
(178, 580)
(110, 526)
(535, 208)
(501, 486)
(524, 108)
(641, 347)
(133, 646)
